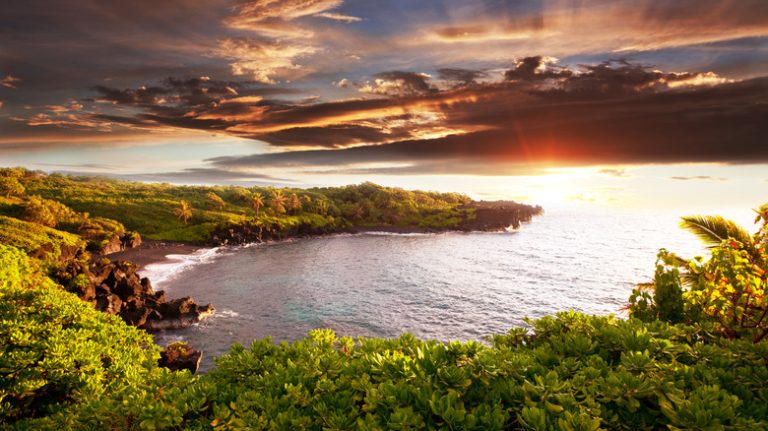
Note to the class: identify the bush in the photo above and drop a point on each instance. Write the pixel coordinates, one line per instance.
(62, 361)
(662, 299)
(572, 372)
(10, 186)
(728, 288)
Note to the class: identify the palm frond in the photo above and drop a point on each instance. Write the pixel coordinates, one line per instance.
(712, 230)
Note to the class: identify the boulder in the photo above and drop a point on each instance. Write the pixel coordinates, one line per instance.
(178, 314)
(112, 245)
(130, 240)
(109, 303)
(180, 356)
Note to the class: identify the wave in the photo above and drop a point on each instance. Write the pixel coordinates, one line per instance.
(161, 273)
(383, 233)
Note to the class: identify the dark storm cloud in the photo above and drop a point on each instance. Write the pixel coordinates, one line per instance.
(534, 69)
(85, 71)
(339, 135)
(724, 123)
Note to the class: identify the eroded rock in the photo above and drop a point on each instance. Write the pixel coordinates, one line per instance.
(180, 356)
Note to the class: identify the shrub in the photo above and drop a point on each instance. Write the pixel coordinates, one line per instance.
(63, 362)
(10, 186)
(572, 372)
(662, 299)
(215, 202)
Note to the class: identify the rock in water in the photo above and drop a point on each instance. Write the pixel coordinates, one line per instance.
(180, 356)
(116, 288)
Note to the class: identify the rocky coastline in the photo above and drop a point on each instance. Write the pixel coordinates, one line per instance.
(115, 286)
(487, 216)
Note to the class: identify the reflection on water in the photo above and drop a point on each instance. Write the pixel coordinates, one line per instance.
(443, 286)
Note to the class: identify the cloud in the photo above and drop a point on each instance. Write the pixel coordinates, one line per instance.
(333, 136)
(698, 178)
(276, 40)
(538, 112)
(10, 81)
(611, 78)
(205, 176)
(536, 68)
(339, 17)
(614, 172)
(567, 28)
(459, 76)
(264, 59)
(208, 176)
(671, 126)
(251, 15)
(398, 83)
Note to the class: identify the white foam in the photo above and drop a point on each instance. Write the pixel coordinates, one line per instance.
(161, 273)
(384, 233)
(227, 313)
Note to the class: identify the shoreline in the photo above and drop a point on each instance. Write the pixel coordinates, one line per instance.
(153, 252)
(157, 252)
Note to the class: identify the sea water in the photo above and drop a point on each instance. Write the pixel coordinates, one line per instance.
(446, 286)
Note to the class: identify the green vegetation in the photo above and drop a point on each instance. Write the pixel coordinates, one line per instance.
(692, 355)
(193, 213)
(62, 362)
(40, 241)
(727, 290)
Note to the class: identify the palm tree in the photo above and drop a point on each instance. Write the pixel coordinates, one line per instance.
(322, 206)
(713, 230)
(294, 203)
(277, 201)
(184, 211)
(256, 202)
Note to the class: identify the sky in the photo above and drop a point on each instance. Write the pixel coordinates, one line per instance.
(641, 103)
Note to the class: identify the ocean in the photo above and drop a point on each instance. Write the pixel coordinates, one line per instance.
(446, 286)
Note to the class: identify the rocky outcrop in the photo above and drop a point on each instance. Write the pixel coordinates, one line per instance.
(115, 287)
(180, 356)
(247, 233)
(117, 243)
(497, 215)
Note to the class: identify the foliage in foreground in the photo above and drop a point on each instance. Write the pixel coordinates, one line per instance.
(60, 356)
(693, 358)
(66, 366)
(727, 289)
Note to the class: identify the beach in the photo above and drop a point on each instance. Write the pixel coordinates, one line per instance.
(151, 252)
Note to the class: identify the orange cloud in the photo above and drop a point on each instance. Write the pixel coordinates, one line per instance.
(278, 40)
(563, 29)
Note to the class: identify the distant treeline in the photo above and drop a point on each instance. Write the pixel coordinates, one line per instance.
(98, 208)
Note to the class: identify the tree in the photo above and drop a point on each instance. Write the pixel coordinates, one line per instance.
(215, 202)
(277, 201)
(728, 288)
(306, 202)
(10, 186)
(293, 204)
(713, 230)
(322, 206)
(184, 211)
(37, 211)
(256, 202)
